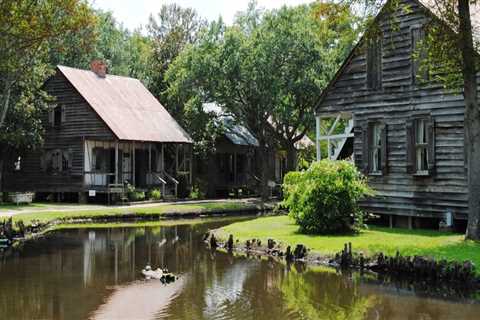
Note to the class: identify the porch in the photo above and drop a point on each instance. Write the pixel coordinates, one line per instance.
(333, 132)
(109, 166)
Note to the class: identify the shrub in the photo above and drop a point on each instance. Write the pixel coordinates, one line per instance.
(196, 193)
(324, 198)
(155, 194)
(134, 195)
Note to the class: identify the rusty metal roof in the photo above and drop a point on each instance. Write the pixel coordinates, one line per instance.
(127, 107)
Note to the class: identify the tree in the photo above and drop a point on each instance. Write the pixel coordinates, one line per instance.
(171, 31)
(28, 29)
(314, 40)
(446, 37)
(266, 70)
(126, 53)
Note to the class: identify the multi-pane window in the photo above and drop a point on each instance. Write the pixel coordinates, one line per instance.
(375, 148)
(374, 64)
(420, 146)
(418, 54)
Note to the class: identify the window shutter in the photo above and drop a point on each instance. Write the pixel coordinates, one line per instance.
(50, 116)
(43, 164)
(410, 146)
(70, 158)
(365, 153)
(384, 150)
(64, 114)
(431, 145)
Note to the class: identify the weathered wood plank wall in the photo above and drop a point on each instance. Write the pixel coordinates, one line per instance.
(81, 122)
(398, 192)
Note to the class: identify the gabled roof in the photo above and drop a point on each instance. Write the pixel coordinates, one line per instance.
(126, 107)
(431, 8)
(234, 132)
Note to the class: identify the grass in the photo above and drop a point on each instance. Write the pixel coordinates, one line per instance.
(440, 245)
(49, 216)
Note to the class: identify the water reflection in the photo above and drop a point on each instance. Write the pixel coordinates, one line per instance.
(95, 274)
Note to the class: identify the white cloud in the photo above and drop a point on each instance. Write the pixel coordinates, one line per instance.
(134, 13)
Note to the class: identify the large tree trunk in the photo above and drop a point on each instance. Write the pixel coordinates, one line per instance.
(472, 120)
(5, 101)
(292, 157)
(264, 169)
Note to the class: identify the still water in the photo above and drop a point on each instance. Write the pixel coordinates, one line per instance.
(95, 274)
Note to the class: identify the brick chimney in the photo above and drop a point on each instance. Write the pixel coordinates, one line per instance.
(99, 67)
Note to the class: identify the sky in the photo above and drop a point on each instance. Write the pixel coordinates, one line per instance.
(135, 13)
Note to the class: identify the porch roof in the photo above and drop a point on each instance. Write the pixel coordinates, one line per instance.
(126, 106)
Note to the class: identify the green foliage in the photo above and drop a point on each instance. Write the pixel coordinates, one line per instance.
(196, 193)
(324, 198)
(154, 194)
(134, 195)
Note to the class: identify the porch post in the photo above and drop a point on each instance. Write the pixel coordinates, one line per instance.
(163, 158)
(319, 151)
(133, 163)
(235, 167)
(149, 175)
(116, 161)
(176, 159)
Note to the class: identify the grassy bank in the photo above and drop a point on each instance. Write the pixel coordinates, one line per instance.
(137, 212)
(439, 245)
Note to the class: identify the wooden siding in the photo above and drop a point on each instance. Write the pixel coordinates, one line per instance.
(398, 192)
(81, 123)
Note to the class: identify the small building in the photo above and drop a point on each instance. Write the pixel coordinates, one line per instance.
(103, 132)
(407, 131)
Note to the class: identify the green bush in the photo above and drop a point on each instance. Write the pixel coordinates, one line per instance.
(324, 198)
(134, 195)
(196, 193)
(155, 194)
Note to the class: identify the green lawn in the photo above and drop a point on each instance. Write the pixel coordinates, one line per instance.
(409, 242)
(47, 216)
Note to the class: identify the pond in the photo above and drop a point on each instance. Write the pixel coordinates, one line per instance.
(95, 273)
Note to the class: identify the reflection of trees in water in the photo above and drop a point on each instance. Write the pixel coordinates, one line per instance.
(311, 295)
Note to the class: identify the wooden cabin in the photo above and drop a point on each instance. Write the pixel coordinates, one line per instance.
(102, 133)
(408, 134)
(232, 168)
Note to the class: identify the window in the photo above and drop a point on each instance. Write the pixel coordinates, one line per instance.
(57, 116)
(54, 161)
(100, 159)
(418, 35)
(17, 165)
(375, 148)
(420, 146)
(374, 64)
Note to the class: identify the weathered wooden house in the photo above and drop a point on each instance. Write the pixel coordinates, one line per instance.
(407, 131)
(102, 132)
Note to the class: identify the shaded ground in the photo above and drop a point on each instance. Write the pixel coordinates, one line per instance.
(440, 245)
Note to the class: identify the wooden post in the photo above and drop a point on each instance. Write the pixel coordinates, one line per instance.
(176, 159)
(150, 179)
(410, 222)
(163, 158)
(116, 162)
(133, 163)
(390, 221)
(319, 151)
(234, 167)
